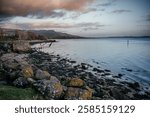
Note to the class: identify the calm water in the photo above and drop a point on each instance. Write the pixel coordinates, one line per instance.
(118, 55)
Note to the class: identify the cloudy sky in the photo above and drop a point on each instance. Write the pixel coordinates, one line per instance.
(79, 17)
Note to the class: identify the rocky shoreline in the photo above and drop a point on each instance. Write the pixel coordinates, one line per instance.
(54, 77)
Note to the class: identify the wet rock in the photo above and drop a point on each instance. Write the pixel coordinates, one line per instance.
(134, 85)
(101, 93)
(129, 70)
(50, 89)
(42, 75)
(27, 72)
(117, 94)
(107, 74)
(106, 70)
(142, 96)
(84, 66)
(102, 82)
(98, 70)
(110, 82)
(21, 46)
(78, 94)
(76, 66)
(116, 76)
(76, 82)
(120, 75)
(21, 82)
(72, 62)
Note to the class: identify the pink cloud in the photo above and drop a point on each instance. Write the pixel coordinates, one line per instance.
(35, 7)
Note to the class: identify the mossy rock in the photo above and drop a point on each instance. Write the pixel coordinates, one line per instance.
(50, 89)
(76, 82)
(27, 72)
(14, 93)
(86, 95)
(78, 94)
(54, 91)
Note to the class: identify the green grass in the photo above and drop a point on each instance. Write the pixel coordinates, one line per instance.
(14, 93)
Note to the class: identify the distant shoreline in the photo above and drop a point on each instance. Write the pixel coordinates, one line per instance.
(117, 37)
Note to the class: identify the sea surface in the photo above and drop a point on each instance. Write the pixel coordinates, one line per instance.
(128, 56)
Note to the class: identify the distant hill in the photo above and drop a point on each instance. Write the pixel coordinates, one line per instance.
(51, 34)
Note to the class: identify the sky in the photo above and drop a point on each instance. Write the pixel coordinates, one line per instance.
(94, 18)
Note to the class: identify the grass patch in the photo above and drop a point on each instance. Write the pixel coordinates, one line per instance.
(14, 93)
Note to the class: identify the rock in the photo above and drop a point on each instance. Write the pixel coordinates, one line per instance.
(98, 70)
(54, 90)
(106, 70)
(42, 75)
(27, 72)
(21, 46)
(76, 82)
(21, 82)
(102, 82)
(50, 89)
(84, 66)
(117, 94)
(78, 94)
(5, 47)
(120, 75)
(11, 76)
(31, 80)
(8, 61)
(134, 85)
(13, 60)
(129, 70)
(72, 62)
(107, 74)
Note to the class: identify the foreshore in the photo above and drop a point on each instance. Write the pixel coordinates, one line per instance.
(54, 77)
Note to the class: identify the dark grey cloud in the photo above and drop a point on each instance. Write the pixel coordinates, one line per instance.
(75, 15)
(90, 24)
(121, 11)
(54, 14)
(90, 28)
(108, 3)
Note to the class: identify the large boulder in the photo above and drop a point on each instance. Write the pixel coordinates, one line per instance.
(21, 46)
(13, 60)
(78, 94)
(15, 65)
(76, 82)
(42, 75)
(50, 89)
